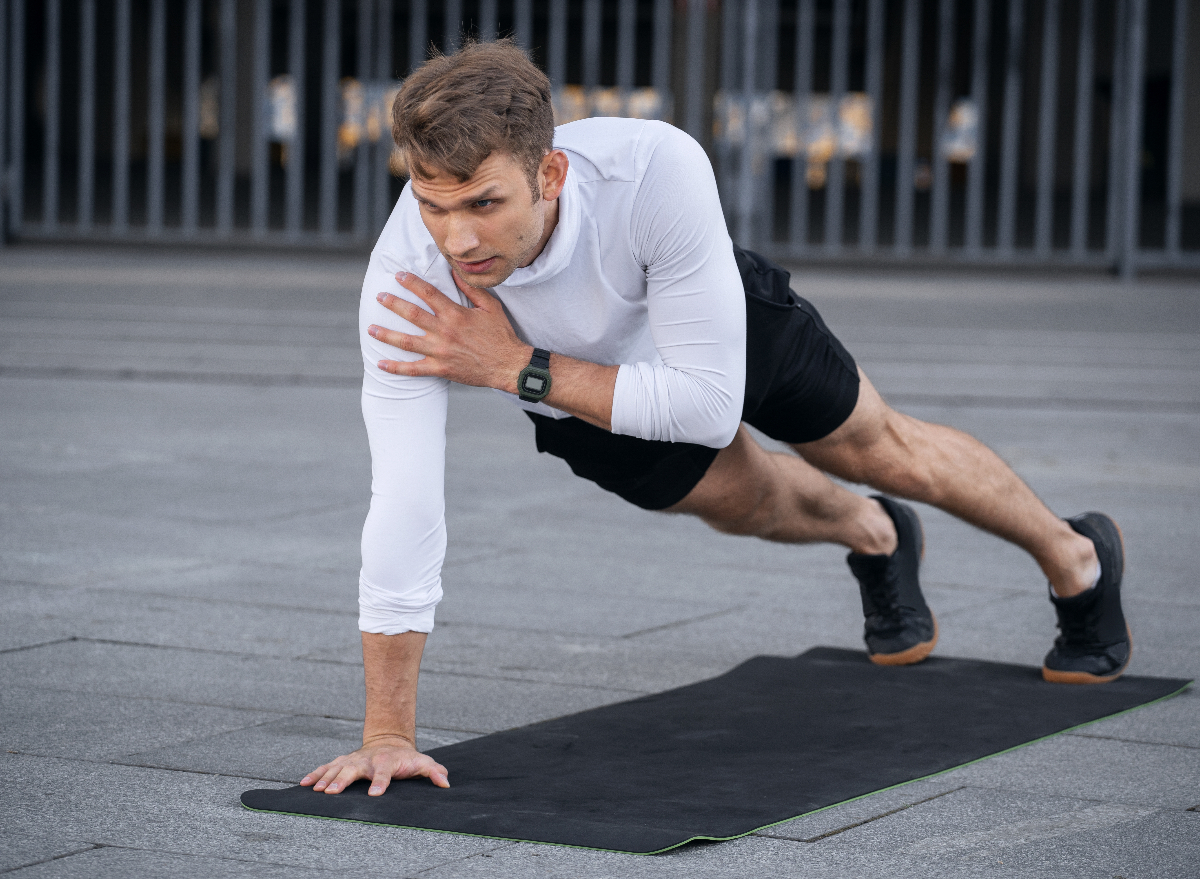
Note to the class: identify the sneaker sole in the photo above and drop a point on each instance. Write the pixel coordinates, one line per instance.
(1082, 677)
(912, 655)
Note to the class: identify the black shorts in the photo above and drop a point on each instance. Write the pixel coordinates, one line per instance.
(801, 385)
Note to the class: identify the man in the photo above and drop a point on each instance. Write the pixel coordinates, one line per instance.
(588, 272)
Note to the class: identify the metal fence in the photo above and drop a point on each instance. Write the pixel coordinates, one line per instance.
(1044, 131)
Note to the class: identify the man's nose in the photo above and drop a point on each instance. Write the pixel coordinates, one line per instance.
(460, 237)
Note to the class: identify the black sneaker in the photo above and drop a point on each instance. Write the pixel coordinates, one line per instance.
(1094, 645)
(900, 629)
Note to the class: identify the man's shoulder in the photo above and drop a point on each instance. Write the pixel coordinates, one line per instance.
(404, 240)
(614, 148)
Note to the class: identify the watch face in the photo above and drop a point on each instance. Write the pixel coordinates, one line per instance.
(534, 384)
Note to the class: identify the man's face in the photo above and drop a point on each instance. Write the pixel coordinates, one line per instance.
(489, 225)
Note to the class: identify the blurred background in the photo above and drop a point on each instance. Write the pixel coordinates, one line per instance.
(978, 131)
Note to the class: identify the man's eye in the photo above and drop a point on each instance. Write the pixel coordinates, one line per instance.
(485, 202)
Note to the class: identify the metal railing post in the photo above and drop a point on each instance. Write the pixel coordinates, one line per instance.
(907, 148)
(868, 216)
(661, 74)
(1175, 134)
(523, 23)
(802, 100)
(260, 168)
(977, 167)
(383, 150)
(835, 179)
(52, 23)
(227, 120)
(939, 217)
(418, 32)
(746, 188)
(696, 32)
(556, 64)
(86, 175)
(297, 67)
(452, 25)
(155, 121)
(362, 149)
(1116, 135)
(120, 147)
(1047, 124)
(626, 42)
(487, 20)
(1010, 132)
(331, 105)
(6, 181)
(1084, 95)
(190, 182)
(1133, 143)
(591, 44)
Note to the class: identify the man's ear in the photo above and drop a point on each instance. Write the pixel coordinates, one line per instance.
(552, 174)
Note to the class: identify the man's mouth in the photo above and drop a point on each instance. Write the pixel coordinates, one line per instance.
(478, 267)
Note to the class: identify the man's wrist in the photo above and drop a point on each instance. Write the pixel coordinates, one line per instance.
(512, 369)
(389, 738)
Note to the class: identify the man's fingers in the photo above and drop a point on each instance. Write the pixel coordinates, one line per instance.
(429, 294)
(380, 782)
(349, 774)
(313, 776)
(397, 339)
(330, 773)
(439, 775)
(410, 311)
(409, 367)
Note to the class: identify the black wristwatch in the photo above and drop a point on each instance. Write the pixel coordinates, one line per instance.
(533, 384)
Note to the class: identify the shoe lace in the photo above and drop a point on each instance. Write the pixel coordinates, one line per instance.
(1081, 628)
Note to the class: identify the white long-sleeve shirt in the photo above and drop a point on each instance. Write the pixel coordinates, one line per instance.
(639, 272)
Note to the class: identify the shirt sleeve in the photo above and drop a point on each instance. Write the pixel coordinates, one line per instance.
(404, 537)
(696, 306)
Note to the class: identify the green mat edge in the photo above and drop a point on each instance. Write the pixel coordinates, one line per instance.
(756, 829)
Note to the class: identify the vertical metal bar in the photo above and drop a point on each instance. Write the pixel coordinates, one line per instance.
(591, 44)
(259, 157)
(52, 130)
(661, 75)
(523, 23)
(120, 149)
(5, 181)
(835, 180)
(295, 148)
(979, 97)
(626, 38)
(362, 150)
(1116, 134)
(906, 150)
(1175, 134)
(694, 119)
(227, 123)
(1047, 125)
(939, 218)
(1133, 140)
(383, 151)
(557, 65)
(1084, 88)
(487, 20)
(331, 105)
(191, 119)
(418, 33)
(868, 211)
(746, 189)
(1010, 133)
(802, 98)
(727, 172)
(16, 109)
(452, 26)
(156, 117)
(87, 115)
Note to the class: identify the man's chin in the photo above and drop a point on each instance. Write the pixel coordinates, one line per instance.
(482, 280)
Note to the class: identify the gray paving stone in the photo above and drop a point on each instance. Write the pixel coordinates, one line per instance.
(184, 813)
(283, 750)
(21, 850)
(446, 700)
(1174, 721)
(104, 862)
(1157, 776)
(91, 726)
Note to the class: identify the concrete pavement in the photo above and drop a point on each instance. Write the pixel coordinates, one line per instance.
(183, 477)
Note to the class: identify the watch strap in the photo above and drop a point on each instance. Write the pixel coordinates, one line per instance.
(540, 358)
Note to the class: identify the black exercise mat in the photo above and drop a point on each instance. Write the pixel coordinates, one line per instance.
(769, 741)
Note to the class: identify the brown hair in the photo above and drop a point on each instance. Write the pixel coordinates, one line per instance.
(456, 110)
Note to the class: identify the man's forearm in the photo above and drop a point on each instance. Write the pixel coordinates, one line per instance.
(578, 388)
(391, 665)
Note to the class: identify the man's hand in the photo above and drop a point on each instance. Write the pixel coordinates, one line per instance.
(471, 346)
(380, 760)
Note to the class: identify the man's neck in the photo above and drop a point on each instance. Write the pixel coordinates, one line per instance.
(548, 226)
